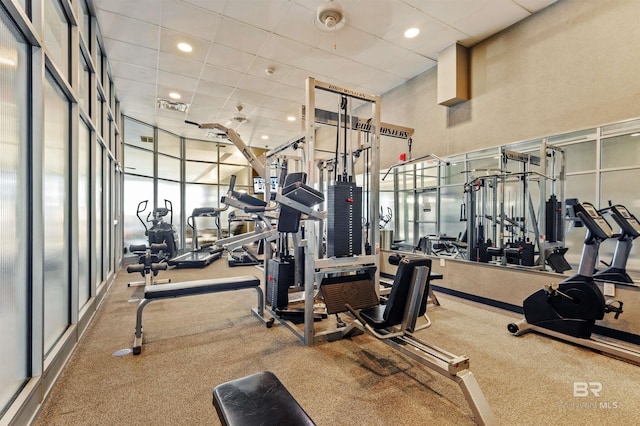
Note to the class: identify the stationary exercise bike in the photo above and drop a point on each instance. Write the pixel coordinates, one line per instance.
(568, 310)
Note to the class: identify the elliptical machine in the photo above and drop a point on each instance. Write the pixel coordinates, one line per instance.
(568, 310)
(160, 231)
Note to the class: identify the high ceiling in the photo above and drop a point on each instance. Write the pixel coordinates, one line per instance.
(235, 42)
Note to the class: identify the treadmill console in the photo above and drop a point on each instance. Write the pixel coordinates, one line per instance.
(594, 221)
(626, 220)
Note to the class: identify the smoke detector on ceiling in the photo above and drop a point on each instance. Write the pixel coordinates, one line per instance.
(239, 117)
(329, 16)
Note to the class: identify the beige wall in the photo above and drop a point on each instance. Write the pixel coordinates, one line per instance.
(572, 66)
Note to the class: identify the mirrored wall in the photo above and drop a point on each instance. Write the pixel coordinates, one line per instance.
(601, 163)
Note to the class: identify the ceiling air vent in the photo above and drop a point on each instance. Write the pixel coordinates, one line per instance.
(172, 105)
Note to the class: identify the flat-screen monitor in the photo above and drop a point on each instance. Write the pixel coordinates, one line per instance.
(258, 185)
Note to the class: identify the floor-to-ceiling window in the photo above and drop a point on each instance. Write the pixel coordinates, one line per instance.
(14, 193)
(54, 201)
(84, 230)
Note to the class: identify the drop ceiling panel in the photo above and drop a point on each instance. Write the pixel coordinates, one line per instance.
(241, 36)
(370, 54)
(216, 6)
(132, 72)
(189, 19)
(177, 81)
(144, 10)
(221, 76)
(214, 89)
(265, 14)
(226, 57)
(169, 40)
(297, 24)
(177, 65)
(126, 29)
(131, 53)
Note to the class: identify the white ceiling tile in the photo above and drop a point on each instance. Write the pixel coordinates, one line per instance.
(183, 17)
(220, 75)
(280, 104)
(131, 53)
(177, 81)
(297, 24)
(145, 10)
(132, 72)
(285, 91)
(241, 36)
(284, 50)
(257, 84)
(380, 54)
(128, 29)
(216, 6)
(410, 65)
(259, 66)
(534, 5)
(347, 42)
(372, 16)
(265, 14)
(132, 86)
(210, 88)
(177, 65)
(169, 40)
(225, 57)
(246, 97)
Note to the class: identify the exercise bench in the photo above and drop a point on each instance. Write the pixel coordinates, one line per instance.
(193, 288)
(258, 399)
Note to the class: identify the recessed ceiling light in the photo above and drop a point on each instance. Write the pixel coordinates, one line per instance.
(291, 118)
(264, 137)
(411, 32)
(174, 95)
(185, 47)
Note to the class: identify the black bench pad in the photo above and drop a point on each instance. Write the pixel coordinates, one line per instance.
(258, 399)
(188, 288)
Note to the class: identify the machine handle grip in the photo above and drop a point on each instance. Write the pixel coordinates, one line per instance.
(159, 267)
(192, 122)
(253, 209)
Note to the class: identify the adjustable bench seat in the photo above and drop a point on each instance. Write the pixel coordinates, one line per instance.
(258, 399)
(193, 288)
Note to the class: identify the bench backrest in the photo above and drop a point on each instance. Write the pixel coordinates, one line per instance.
(398, 298)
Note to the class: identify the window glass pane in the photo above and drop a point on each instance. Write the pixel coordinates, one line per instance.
(99, 116)
(136, 189)
(615, 188)
(98, 212)
(85, 22)
(84, 250)
(171, 191)
(242, 174)
(14, 193)
(168, 167)
(621, 151)
(56, 35)
(138, 134)
(83, 84)
(202, 151)
(138, 161)
(168, 143)
(453, 173)
(54, 189)
(197, 172)
(580, 156)
(624, 127)
(230, 154)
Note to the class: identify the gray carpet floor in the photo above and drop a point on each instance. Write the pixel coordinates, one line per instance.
(195, 343)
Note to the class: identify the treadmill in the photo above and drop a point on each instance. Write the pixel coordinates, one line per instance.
(199, 257)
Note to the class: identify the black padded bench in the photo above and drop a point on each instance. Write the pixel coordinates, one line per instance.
(193, 288)
(258, 399)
